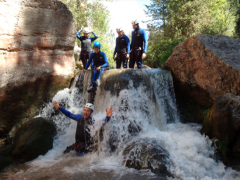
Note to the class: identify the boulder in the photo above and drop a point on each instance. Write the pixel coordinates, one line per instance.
(34, 138)
(37, 39)
(223, 122)
(205, 67)
(147, 154)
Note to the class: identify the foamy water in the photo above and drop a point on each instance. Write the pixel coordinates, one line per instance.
(146, 111)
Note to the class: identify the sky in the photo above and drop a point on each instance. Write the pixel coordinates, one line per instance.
(122, 12)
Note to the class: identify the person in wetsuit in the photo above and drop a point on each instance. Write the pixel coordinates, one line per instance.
(86, 44)
(122, 49)
(83, 140)
(100, 64)
(138, 52)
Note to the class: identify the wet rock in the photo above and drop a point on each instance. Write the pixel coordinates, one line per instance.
(34, 138)
(223, 122)
(147, 154)
(205, 67)
(36, 58)
(6, 156)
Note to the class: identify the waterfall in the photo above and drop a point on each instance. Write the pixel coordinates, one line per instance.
(144, 107)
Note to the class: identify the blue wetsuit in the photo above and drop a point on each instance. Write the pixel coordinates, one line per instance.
(82, 132)
(98, 59)
(122, 49)
(139, 37)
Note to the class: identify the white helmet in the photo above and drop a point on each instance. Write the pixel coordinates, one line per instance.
(86, 30)
(90, 106)
(135, 22)
(119, 29)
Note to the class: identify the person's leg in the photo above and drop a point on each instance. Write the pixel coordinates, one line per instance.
(83, 59)
(93, 79)
(132, 59)
(139, 59)
(118, 61)
(124, 60)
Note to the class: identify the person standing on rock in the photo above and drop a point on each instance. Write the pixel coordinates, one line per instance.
(138, 52)
(122, 49)
(84, 141)
(86, 44)
(100, 64)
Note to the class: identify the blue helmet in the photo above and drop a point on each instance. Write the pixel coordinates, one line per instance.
(96, 45)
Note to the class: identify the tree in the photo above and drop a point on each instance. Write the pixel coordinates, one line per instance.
(189, 17)
(95, 15)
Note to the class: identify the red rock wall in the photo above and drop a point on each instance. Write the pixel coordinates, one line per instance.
(36, 55)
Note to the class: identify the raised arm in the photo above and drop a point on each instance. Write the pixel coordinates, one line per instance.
(78, 34)
(67, 113)
(95, 37)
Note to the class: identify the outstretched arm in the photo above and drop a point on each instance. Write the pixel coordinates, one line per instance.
(67, 113)
(109, 113)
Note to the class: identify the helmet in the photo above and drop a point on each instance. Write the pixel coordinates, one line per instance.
(86, 30)
(90, 106)
(119, 29)
(135, 22)
(96, 45)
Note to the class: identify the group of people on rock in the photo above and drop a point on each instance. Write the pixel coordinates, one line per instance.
(98, 59)
(99, 63)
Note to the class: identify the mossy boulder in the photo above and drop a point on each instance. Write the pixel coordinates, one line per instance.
(147, 154)
(223, 122)
(34, 138)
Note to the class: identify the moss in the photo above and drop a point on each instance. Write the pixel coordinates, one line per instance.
(206, 128)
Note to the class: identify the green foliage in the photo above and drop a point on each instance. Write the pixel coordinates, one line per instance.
(95, 15)
(221, 146)
(174, 21)
(187, 18)
(160, 50)
(205, 112)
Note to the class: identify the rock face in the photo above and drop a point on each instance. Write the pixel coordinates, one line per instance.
(223, 122)
(147, 154)
(205, 67)
(36, 56)
(34, 138)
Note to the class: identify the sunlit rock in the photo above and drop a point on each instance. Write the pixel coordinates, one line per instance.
(205, 67)
(36, 56)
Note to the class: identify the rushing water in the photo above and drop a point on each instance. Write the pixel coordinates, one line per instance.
(144, 107)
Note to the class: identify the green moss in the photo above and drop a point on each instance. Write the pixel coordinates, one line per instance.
(221, 146)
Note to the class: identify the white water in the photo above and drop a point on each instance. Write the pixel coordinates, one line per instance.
(146, 108)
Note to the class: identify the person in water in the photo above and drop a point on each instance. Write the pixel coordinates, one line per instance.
(100, 64)
(83, 138)
(86, 44)
(122, 49)
(138, 53)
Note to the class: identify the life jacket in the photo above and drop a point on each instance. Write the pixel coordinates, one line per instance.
(121, 44)
(137, 39)
(83, 131)
(86, 44)
(98, 59)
